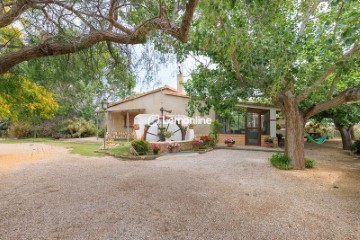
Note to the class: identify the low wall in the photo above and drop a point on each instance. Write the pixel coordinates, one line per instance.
(184, 145)
(240, 139)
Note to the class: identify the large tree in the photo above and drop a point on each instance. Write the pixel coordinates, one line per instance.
(284, 51)
(63, 27)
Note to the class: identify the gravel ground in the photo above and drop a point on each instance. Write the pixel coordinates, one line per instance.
(218, 195)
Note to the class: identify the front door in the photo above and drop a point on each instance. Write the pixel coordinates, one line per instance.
(253, 128)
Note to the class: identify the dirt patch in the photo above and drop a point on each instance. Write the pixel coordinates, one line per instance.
(223, 194)
(12, 155)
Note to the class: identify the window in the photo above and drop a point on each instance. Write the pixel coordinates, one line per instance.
(234, 124)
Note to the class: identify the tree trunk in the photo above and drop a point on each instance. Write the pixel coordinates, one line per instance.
(294, 140)
(345, 136)
(352, 132)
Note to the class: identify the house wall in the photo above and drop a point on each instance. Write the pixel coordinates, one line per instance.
(152, 104)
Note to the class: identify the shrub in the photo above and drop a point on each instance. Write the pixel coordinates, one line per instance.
(280, 161)
(205, 139)
(20, 130)
(197, 142)
(212, 141)
(215, 128)
(101, 132)
(141, 147)
(309, 163)
(79, 127)
(355, 147)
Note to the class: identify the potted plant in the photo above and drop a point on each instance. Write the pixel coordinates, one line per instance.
(155, 148)
(168, 135)
(191, 126)
(229, 141)
(196, 144)
(269, 142)
(173, 147)
(161, 131)
(205, 139)
(136, 126)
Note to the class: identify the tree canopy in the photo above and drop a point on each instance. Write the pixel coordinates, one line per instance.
(61, 27)
(285, 52)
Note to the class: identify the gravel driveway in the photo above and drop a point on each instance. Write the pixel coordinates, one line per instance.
(219, 195)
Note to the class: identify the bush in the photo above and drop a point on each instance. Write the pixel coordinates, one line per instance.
(309, 163)
(280, 161)
(212, 140)
(20, 130)
(355, 147)
(101, 132)
(79, 127)
(141, 147)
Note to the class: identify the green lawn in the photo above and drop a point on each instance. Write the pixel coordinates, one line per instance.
(84, 149)
(120, 150)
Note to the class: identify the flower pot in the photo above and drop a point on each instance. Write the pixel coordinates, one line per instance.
(229, 144)
(196, 147)
(167, 139)
(156, 151)
(174, 150)
(136, 127)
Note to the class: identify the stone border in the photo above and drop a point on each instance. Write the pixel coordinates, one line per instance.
(259, 149)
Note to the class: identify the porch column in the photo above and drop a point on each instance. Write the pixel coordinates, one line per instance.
(127, 126)
(272, 123)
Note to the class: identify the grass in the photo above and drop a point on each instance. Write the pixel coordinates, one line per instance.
(309, 163)
(81, 148)
(280, 161)
(120, 150)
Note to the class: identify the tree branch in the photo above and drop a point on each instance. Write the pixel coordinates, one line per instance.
(53, 47)
(349, 95)
(15, 11)
(330, 70)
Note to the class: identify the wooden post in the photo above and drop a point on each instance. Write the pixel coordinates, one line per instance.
(127, 126)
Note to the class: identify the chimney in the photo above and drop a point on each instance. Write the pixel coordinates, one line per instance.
(180, 83)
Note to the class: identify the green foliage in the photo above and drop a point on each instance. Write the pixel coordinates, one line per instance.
(355, 147)
(141, 147)
(309, 163)
(280, 161)
(21, 99)
(79, 127)
(82, 80)
(215, 127)
(168, 134)
(120, 150)
(20, 130)
(265, 47)
(101, 132)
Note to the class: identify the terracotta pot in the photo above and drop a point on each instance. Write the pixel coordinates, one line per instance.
(229, 144)
(196, 147)
(174, 150)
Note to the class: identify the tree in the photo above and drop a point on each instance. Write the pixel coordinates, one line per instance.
(283, 51)
(82, 80)
(344, 117)
(22, 98)
(53, 27)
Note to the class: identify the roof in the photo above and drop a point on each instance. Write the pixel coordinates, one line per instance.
(255, 104)
(165, 89)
